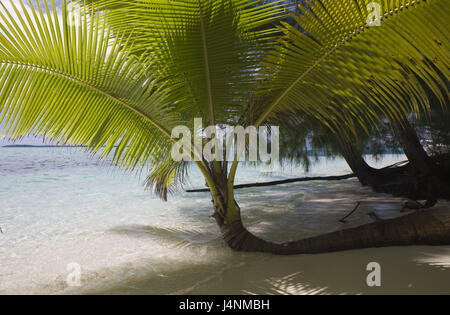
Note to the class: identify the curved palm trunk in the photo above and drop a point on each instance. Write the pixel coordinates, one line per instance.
(395, 180)
(430, 227)
(357, 164)
(428, 180)
(419, 179)
(414, 151)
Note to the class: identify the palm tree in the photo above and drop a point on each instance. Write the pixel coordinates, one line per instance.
(122, 77)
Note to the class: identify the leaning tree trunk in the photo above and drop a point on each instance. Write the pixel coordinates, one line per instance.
(426, 182)
(419, 179)
(431, 227)
(412, 148)
(394, 179)
(353, 156)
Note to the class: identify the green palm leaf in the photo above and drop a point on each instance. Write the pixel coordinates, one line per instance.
(340, 69)
(210, 50)
(76, 86)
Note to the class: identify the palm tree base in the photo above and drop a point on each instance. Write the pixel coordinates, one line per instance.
(430, 227)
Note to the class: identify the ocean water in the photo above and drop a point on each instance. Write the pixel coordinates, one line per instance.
(61, 207)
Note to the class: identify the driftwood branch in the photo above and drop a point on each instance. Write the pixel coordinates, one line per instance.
(280, 182)
(351, 212)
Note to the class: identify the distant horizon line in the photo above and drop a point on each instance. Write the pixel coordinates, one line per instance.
(41, 146)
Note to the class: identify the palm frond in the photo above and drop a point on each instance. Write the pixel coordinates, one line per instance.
(336, 68)
(76, 86)
(211, 50)
(167, 177)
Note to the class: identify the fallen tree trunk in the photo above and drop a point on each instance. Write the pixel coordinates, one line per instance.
(280, 182)
(391, 169)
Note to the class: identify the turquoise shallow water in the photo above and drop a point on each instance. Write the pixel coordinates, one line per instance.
(60, 206)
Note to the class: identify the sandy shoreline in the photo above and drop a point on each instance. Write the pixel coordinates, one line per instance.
(404, 270)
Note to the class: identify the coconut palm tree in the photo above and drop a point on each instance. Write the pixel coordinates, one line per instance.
(120, 76)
